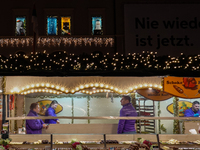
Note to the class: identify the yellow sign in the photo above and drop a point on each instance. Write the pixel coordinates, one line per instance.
(185, 87)
(183, 105)
(44, 104)
(153, 94)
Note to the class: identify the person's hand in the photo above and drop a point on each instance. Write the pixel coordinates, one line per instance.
(58, 122)
(196, 115)
(45, 126)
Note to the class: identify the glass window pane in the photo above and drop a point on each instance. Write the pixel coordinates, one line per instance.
(20, 26)
(65, 25)
(52, 25)
(97, 26)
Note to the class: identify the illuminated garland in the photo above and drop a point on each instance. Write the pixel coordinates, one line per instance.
(57, 41)
(61, 63)
(88, 108)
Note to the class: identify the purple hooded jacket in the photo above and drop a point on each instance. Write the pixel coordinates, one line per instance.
(50, 112)
(190, 113)
(127, 125)
(34, 126)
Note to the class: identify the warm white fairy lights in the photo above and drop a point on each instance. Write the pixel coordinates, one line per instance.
(57, 41)
(95, 88)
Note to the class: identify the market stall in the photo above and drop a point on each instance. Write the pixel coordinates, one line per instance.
(78, 96)
(90, 97)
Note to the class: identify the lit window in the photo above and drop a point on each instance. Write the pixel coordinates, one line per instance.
(20, 26)
(97, 26)
(65, 25)
(52, 25)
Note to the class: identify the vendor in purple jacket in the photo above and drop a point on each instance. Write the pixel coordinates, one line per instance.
(34, 126)
(127, 126)
(51, 112)
(193, 111)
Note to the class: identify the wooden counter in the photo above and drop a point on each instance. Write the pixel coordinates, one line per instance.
(81, 129)
(191, 125)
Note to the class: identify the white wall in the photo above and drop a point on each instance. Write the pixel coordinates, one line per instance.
(98, 107)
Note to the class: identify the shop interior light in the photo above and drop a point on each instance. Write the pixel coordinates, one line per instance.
(101, 85)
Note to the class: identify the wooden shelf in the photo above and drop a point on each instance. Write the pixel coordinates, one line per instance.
(181, 145)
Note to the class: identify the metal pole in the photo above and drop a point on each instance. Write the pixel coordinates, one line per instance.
(104, 140)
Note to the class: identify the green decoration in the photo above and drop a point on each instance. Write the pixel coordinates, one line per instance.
(88, 108)
(72, 110)
(3, 85)
(15, 122)
(162, 128)
(132, 95)
(183, 127)
(39, 96)
(176, 129)
(159, 112)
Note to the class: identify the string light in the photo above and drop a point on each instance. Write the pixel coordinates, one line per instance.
(56, 41)
(46, 87)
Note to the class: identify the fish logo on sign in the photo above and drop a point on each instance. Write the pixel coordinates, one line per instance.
(44, 105)
(183, 105)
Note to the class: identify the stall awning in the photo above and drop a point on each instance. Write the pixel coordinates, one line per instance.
(58, 85)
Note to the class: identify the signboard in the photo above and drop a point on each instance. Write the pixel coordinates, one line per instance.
(169, 29)
(154, 94)
(185, 87)
(44, 105)
(183, 106)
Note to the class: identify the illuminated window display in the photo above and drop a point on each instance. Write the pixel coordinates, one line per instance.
(20, 26)
(52, 25)
(97, 26)
(65, 25)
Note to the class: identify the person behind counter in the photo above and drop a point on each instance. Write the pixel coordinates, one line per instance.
(34, 126)
(193, 111)
(127, 126)
(51, 112)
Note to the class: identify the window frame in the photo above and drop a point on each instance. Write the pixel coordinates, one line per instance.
(59, 13)
(21, 13)
(97, 12)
